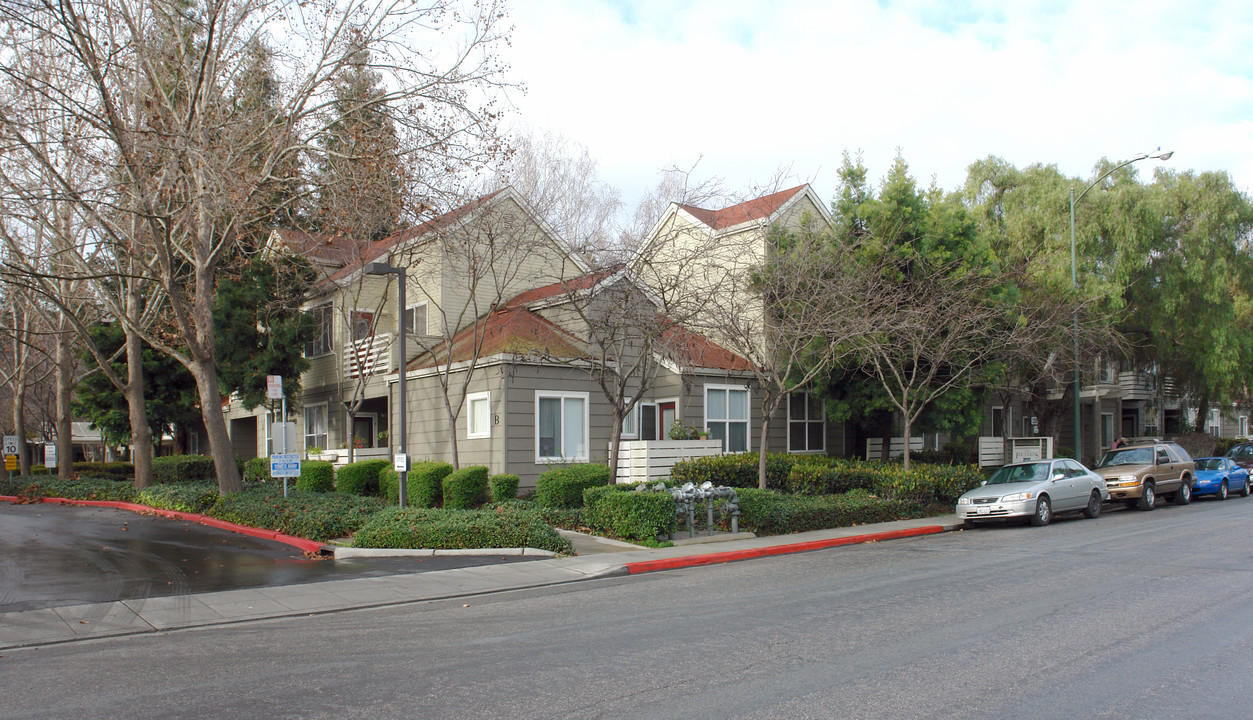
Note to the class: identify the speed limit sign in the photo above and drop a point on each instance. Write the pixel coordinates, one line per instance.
(10, 444)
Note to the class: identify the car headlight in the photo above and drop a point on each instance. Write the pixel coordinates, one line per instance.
(1018, 497)
(963, 501)
(1128, 479)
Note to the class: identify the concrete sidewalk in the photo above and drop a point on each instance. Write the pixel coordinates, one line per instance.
(598, 558)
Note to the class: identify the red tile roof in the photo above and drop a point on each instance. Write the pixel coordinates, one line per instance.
(505, 330)
(693, 350)
(757, 209)
(557, 289)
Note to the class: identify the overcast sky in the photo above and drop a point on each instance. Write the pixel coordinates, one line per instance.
(749, 87)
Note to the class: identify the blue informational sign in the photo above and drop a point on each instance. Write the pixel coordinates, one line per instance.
(285, 465)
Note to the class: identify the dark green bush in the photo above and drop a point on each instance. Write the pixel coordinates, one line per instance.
(504, 487)
(629, 515)
(123, 471)
(316, 476)
(183, 497)
(927, 483)
(81, 489)
(566, 518)
(500, 527)
(257, 470)
(563, 486)
(767, 512)
(389, 485)
(737, 471)
(465, 489)
(361, 477)
(38, 470)
(183, 468)
(426, 489)
(314, 515)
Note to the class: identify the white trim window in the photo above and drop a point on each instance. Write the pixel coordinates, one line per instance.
(726, 416)
(807, 423)
(560, 426)
(361, 324)
(415, 319)
(315, 426)
(631, 424)
(1243, 426)
(479, 415)
(269, 419)
(1214, 424)
(321, 317)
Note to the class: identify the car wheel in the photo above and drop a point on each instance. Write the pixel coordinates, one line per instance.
(1184, 494)
(1244, 489)
(1148, 500)
(1043, 512)
(1094, 506)
(969, 524)
(1222, 491)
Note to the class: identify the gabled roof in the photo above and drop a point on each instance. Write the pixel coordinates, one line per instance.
(514, 330)
(333, 251)
(762, 208)
(586, 281)
(691, 350)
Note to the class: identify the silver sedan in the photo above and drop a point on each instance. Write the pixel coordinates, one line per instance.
(1037, 490)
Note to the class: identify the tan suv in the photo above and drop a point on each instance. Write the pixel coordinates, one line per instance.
(1137, 474)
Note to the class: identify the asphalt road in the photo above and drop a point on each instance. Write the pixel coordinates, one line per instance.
(1132, 615)
(57, 555)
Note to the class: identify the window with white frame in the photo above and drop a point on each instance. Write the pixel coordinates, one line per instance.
(560, 426)
(1242, 426)
(362, 324)
(315, 426)
(726, 416)
(320, 343)
(415, 319)
(998, 421)
(807, 423)
(1212, 426)
(270, 419)
(479, 415)
(631, 424)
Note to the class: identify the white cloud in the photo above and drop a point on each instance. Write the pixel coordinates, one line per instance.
(752, 87)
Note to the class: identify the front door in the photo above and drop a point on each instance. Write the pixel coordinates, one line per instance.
(363, 431)
(668, 412)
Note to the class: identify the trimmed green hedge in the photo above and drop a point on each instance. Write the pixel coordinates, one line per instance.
(361, 477)
(465, 489)
(563, 486)
(123, 471)
(183, 497)
(313, 515)
(737, 471)
(81, 489)
(183, 468)
(767, 512)
(257, 470)
(426, 483)
(502, 527)
(629, 515)
(504, 487)
(316, 476)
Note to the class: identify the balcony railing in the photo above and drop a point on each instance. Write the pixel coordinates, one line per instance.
(367, 357)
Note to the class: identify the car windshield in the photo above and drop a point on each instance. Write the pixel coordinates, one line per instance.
(1209, 464)
(1130, 456)
(1031, 472)
(1241, 451)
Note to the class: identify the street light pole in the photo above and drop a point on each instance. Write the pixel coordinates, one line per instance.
(1074, 276)
(402, 457)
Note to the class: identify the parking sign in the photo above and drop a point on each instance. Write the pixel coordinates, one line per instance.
(285, 465)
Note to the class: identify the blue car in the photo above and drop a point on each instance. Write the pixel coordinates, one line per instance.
(1219, 476)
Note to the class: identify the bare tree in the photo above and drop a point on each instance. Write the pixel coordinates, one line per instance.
(159, 98)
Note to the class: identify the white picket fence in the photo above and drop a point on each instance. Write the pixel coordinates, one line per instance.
(649, 460)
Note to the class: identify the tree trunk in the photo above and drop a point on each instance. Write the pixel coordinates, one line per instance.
(908, 425)
(211, 413)
(19, 425)
(615, 442)
(65, 391)
(141, 433)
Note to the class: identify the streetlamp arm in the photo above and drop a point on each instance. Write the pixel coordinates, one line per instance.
(1156, 155)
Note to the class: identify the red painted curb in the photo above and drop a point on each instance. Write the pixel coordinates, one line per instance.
(733, 555)
(304, 544)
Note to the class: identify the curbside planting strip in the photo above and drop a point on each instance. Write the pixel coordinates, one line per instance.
(305, 544)
(730, 556)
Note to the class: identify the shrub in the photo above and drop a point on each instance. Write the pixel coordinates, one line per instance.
(122, 471)
(389, 485)
(38, 470)
(504, 487)
(629, 515)
(316, 476)
(465, 489)
(425, 488)
(563, 486)
(313, 515)
(257, 470)
(737, 471)
(78, 489)
(183, 497)
(506, 526)
(361, 477)
(767, 512)
(927, 483)
(183, 468)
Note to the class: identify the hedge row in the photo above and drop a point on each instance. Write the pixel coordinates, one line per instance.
(767, 512)
(563, 487)
(465, 489)
(361, 477)
(617, 511)
(737, 471)
(313, 515)
(505, 526)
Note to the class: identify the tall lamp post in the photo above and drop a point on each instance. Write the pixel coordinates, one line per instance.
(1074, 273)
(401, 459)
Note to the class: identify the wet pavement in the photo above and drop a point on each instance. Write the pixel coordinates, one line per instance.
(60, 555)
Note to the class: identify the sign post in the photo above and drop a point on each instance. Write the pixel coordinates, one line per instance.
(10, 454)
(50, 455)
(285, 465)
